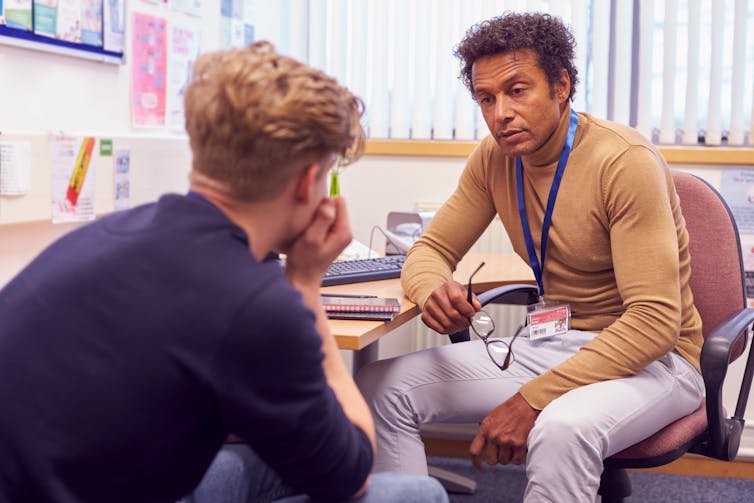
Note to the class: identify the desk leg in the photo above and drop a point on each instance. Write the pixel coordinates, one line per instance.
(364, 356)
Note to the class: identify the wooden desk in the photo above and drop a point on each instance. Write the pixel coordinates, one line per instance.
(360, 336)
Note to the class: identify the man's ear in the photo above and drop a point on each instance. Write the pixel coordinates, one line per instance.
(305, 182)
(563, 86)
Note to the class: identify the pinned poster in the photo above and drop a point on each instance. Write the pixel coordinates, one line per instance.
(73, 182)
(148, 70)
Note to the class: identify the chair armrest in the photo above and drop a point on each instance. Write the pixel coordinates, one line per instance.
(725, 434)
(515, 294)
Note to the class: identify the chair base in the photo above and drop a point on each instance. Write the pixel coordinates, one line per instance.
(453, 482)
(615, 485)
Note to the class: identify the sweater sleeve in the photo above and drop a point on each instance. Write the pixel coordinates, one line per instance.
(638, 193)
(451, 232)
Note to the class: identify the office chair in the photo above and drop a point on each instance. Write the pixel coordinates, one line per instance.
(717, 281)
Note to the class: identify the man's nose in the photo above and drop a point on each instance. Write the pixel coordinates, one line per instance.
(503, 109)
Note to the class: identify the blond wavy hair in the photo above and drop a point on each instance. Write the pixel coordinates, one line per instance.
(256, 118)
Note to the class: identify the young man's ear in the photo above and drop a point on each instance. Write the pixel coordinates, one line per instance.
(306, 180)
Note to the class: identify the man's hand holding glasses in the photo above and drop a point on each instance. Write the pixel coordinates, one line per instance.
(483, 326)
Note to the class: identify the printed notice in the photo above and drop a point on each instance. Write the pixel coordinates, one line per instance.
(122, 179)
(148, 70)
(184, 49)
(737, 188)
(72, 181)
(15, 168)
(747, 249)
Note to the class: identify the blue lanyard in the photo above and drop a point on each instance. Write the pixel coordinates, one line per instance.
(537, 265)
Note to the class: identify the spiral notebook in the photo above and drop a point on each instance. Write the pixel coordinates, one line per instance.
(357, 307)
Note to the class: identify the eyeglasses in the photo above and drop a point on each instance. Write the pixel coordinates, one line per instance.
(500, 352)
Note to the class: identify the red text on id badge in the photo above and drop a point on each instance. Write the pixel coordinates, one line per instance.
(548, 320)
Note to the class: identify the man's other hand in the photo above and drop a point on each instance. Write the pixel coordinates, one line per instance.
(503, 434)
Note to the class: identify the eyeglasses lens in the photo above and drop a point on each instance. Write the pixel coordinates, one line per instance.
(482, 324)
(498, 351)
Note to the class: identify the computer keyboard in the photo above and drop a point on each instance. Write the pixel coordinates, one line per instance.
(357, 271)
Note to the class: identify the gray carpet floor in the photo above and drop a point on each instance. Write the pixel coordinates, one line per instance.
(505, 484)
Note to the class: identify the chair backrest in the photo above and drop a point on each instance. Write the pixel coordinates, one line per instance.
(717, 278)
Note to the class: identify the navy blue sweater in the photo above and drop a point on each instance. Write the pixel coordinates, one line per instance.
(131, 348)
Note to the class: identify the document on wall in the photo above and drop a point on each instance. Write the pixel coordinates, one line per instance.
(17, 14)
(73, 181)
(747, 249)
(91, 22)
(15, 168)
(114, 21)
(148, 70)
(122, 179)
(69, 20)
(45, 17)
(192, 7)
(184, 49)
(737, 188)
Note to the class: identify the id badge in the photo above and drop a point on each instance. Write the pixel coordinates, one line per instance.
(547, 319)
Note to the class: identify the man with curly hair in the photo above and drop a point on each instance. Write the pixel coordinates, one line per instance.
(610, 353)
(134, 346)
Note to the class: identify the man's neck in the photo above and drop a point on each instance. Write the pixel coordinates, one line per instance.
(548, 154)
(258, 220)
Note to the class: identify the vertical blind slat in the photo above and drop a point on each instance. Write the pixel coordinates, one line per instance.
(442, 123)
(667, 118)
(644, 102)
(400, 86)
(713, 133)
(421, 121)
(580, 28)
(736, 130)
(691, 110)
(378, 84)
(600, 55)
(622, 67)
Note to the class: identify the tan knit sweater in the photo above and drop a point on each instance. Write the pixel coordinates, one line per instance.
(617, 249)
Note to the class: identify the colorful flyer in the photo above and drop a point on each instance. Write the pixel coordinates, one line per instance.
(73, 183)
(149, 62)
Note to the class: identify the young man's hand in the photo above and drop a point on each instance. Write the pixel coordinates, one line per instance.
(323, 240)
(447, 311)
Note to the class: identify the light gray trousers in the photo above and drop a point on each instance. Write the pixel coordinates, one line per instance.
(459, 384)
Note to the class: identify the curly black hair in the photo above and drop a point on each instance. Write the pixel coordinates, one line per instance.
(546, 35)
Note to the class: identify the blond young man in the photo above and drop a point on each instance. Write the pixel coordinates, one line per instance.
(133, 347)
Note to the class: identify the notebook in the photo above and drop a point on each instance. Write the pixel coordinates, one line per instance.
(344, 307)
